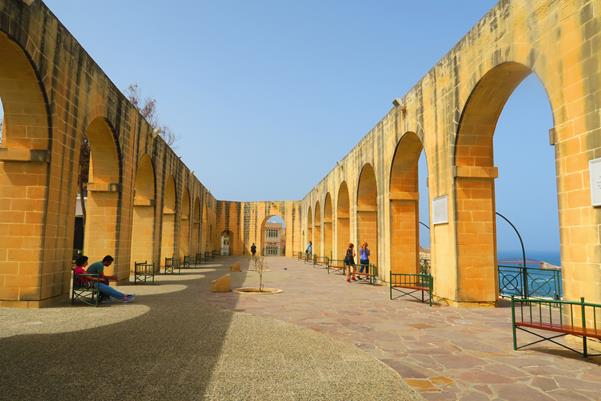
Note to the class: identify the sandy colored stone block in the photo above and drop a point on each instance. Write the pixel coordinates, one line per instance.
(221, 284)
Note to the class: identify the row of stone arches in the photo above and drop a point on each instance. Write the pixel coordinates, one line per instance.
(377, 200)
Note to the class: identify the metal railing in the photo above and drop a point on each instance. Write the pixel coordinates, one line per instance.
(529, 282)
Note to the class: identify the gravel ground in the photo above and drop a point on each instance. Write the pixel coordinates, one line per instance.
(172, 345)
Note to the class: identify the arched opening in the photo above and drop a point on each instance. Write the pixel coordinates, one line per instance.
(101, 193)
(328, 232)
(196, 227)
(184, 225)
(475, 174)
(168, 228)
(23, 181)
(273, 236)
(226, 243)
(367, 212)
(404, 206)
(317, 250)
(310, 227)
(343, 220)
(143, 216)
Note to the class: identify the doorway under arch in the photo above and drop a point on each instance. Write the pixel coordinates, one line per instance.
(273, 236)
(168, 226)
(317, 249)
(184, 225)
(226, 248)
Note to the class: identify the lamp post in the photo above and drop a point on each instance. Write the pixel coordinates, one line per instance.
(524, 271)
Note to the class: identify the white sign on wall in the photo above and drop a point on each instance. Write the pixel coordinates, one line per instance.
(594, 169)
(440, 210)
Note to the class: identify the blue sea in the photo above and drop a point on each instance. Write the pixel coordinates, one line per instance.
(552, 257)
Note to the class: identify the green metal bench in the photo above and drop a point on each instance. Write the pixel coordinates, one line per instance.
(85, 291)
(187, 262)
(407, 284)
(143, 272)
(372, 276)
(577, 318)
(336, 265)
(171, 264)
(199, 259)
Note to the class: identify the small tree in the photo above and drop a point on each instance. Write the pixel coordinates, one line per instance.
(148, 109)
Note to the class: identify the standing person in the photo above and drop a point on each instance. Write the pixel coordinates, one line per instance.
(364, 258)
(349, 262)
(309, 251)
(104, 289)
(253, 250)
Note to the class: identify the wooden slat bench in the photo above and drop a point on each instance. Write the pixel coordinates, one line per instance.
(321, 261)
(407, 284)
(85, 291)
(171, 264)
(143, 272)
(576, 318)
(336, 265)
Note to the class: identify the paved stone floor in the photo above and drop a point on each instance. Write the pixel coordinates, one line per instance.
(172, 344)
(445, 353)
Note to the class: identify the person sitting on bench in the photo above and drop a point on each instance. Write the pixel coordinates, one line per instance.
(103, 288)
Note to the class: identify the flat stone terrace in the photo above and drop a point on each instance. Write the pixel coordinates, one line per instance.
(445, 353)
(321, 339)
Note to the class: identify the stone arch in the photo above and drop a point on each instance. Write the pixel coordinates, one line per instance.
(262, 245)
(103, 191)
(317, 248)
(310, 226)
(168, 226)
(474, 171)
(343, 220)
(196, 227)
(367, 211)
(142, 245)
(226, 240)
(184, 225)
(328, 232)
(404, 205)
(24, 170)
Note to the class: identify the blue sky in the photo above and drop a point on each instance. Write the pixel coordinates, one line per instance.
(266, 95)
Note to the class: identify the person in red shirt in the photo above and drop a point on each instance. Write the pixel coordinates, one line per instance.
(80, 273)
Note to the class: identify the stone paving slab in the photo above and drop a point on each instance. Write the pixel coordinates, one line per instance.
(171, 344)
(445, 353)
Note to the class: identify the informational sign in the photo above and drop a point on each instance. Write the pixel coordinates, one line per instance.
(594, 169)
(440, 210)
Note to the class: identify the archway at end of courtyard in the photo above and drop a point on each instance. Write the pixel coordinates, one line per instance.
(227, 243)
(273, 236)
(142, 244)
(343, 221)
(407, 248)
(184, 225)
(475, 175)
(367, 212)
